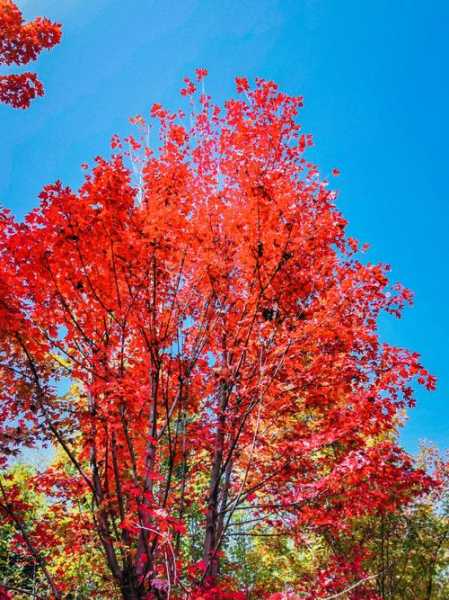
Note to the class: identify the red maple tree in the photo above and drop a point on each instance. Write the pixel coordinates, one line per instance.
(21, 43)
(220, 332)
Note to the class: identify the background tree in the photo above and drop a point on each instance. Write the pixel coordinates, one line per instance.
(23, 510)
(410, 548)
(219, 330)
(21, 43)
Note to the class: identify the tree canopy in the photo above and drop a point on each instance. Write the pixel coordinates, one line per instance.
(216, 330)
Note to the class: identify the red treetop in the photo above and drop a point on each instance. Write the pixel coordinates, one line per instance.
(220, 330)
(21, 43)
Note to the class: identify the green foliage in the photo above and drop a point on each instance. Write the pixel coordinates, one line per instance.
(19, 571)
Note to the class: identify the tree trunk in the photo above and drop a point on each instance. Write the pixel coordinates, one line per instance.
(212, 536)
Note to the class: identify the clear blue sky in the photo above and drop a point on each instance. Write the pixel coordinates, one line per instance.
(376, 85)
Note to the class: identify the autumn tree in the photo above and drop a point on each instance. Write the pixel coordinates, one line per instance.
(20, 44)
(219, 330)
(18, 570)
(410, 547)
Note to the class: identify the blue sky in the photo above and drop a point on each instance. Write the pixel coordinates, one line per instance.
(376, 86)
